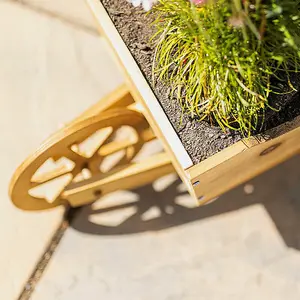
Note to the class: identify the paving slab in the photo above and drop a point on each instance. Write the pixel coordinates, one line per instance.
(49, 73)
(155, 243)
(73, 11)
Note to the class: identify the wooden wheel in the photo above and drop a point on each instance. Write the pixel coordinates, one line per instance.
(77, 152)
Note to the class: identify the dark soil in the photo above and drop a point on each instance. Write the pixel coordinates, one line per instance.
(200, 139)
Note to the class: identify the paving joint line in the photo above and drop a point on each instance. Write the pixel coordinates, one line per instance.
(53, 15)
(46, 257)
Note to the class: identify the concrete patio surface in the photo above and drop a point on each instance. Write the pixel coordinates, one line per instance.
(74, 12)
(50, 72)
(155, 243)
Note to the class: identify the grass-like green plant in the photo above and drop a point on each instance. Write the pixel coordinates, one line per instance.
(219, 57)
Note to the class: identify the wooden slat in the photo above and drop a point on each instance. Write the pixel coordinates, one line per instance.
(242, 167)
(133, 175)
(241, 146)
(216, 159)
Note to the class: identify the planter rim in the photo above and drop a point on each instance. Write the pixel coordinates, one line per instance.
(138, 79)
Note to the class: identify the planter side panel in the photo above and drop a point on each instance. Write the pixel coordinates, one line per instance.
(209, 184)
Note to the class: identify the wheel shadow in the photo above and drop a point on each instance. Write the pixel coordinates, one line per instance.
(278, 190)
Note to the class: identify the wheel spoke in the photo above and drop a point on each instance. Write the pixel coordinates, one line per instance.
(49, 176)
(128, 156)
(74, 173)
(103, 143)
(114, 147)
(75, 157)
(94, 164)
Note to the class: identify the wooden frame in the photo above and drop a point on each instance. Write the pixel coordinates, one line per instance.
(134, 105)
(221, 172)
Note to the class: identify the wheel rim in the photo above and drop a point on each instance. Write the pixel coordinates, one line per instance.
(65, 146)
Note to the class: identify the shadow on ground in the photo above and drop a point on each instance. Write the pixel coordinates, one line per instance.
(277, 190)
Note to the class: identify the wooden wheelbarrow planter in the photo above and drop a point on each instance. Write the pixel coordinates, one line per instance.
(134, 105)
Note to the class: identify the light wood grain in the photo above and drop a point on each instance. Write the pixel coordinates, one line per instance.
(223, 176)
(142, 93)
(61, 145)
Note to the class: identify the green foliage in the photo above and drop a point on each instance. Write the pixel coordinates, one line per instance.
(219, 57)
